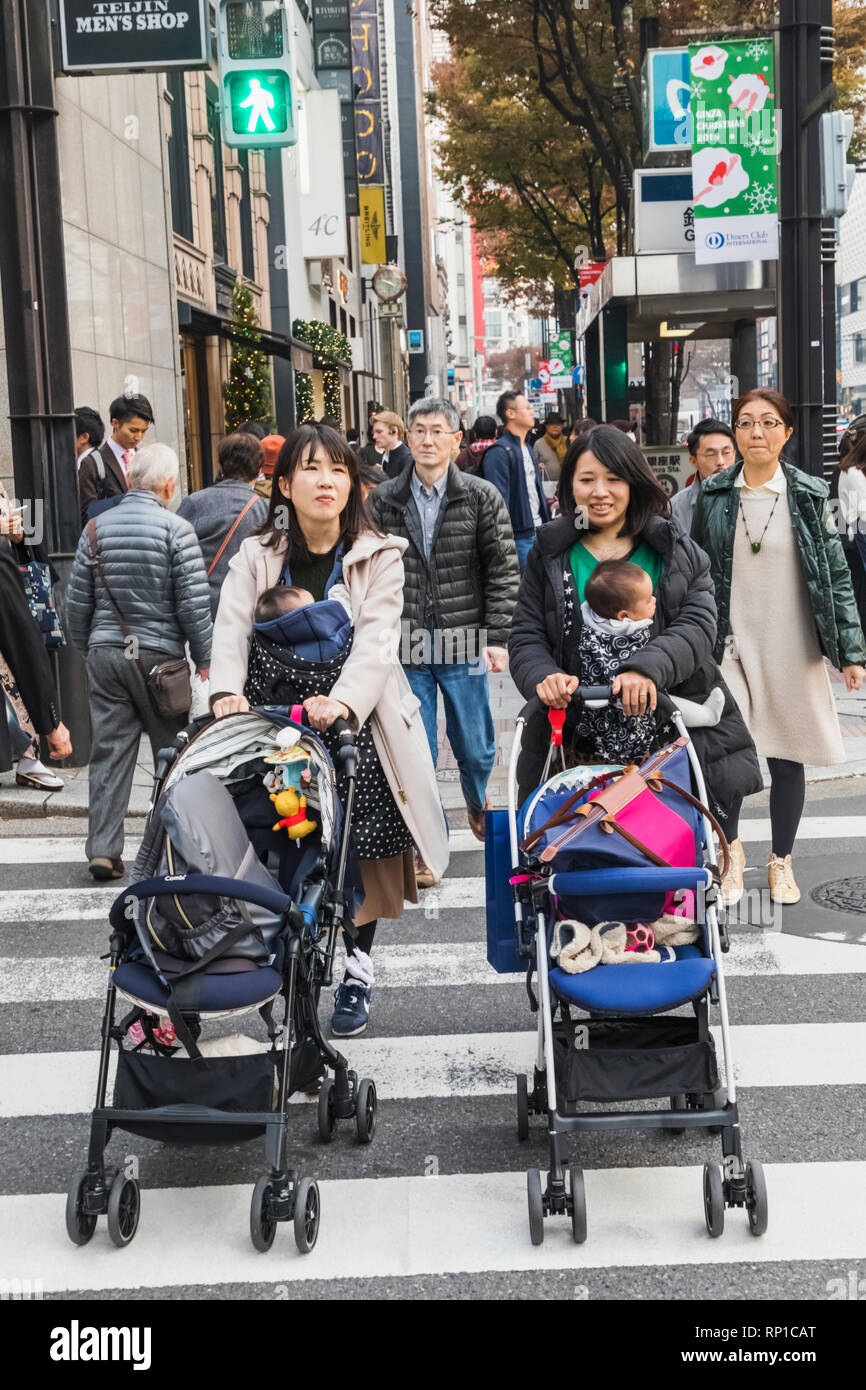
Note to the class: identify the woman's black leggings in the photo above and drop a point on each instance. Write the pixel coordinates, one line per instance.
(787, 798)
(364, 940)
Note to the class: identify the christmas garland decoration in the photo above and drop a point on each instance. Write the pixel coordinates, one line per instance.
(247, 393)
(304, 397)
(330, 346)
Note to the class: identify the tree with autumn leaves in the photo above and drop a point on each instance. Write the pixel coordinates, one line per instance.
(540, 113)
(541, 129)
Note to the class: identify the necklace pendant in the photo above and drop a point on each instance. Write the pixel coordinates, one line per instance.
(756, 545)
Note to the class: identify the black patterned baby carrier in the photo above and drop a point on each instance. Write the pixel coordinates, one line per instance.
(609, 732)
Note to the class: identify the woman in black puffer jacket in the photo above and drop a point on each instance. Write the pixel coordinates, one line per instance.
(613, 508)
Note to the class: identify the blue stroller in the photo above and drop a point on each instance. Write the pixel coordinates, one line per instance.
(229, 915)
(556, 866)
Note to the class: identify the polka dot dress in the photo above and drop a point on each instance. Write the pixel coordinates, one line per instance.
(277, 677)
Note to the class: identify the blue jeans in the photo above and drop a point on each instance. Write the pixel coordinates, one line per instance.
(468, 721)
(524, 545)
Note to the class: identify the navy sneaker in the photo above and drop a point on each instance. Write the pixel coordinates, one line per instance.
(351, 1009)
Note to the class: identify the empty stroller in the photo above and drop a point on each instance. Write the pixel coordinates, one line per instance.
(229, 914)
(577, 864)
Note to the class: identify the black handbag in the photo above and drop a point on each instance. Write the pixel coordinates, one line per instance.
(168, 683)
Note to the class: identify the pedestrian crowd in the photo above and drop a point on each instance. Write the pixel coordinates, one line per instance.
(553, 551)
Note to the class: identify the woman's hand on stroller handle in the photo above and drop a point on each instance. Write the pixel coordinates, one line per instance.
(637, 693)
(229, 704)
(322, 712)
(556, 690)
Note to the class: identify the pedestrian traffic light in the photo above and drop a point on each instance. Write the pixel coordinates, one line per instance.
(837, 176)
(257, 78)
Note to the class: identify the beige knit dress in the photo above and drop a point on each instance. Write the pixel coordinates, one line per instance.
(773, 662)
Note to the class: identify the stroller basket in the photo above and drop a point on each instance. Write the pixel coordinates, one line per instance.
(632, 1059)
(243, 1084)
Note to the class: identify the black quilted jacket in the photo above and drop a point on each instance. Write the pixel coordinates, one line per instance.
(473, 575)
(678, 656)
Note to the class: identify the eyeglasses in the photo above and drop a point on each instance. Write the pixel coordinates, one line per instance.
(770, 423)
(437, 433)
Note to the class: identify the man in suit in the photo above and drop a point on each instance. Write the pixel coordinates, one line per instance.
(389, 437)
(103, 473)
(511, 465)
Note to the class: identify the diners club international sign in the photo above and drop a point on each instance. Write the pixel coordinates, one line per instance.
(125, 35)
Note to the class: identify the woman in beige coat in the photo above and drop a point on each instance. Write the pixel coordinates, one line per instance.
(317, 528)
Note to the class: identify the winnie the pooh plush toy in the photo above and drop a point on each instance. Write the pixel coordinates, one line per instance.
(291, 777)
(291, 806)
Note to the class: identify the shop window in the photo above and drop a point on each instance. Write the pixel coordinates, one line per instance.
(178, 157)
(218, 197)
(248, 259)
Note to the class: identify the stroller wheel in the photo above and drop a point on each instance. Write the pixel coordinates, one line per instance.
(124, 1208)
(263, 1227)
(79, 1226)
(714, 1200)
(327, 1118)
(307, 1212)
(536, 1206)
(756, 1198)
(578, 1204)
(365, 1111)
(522, 1107)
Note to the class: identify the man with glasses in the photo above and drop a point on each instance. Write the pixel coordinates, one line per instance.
(711, 448)
(459, 593)
(511, 465)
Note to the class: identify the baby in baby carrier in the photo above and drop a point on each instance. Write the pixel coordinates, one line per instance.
(298, 646)
(617, 615)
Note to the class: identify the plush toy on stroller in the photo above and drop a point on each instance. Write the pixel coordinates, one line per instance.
(604, 884)
(228, 916)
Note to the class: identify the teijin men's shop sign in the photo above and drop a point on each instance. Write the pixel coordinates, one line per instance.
(130, 35)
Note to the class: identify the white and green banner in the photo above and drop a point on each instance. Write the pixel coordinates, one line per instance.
(735, 131)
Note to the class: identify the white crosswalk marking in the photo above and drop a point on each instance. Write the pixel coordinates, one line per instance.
(69, 849)
(473, 1064)
(445, 1071)
(440, 1225)
(438, 964)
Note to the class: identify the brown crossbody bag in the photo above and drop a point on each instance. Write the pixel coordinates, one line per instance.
(168, 684)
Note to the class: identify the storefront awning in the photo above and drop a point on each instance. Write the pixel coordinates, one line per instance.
(196, 323)
(705, 300)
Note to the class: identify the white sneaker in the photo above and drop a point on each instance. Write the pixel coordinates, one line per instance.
(783, 886)
(732, 883)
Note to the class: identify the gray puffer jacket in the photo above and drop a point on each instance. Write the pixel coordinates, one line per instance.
(472, 577)
(153, 564)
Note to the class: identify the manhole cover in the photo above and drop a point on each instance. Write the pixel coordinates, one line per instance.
(841, 894)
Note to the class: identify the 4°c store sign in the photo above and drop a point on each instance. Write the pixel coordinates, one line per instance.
(133, 35)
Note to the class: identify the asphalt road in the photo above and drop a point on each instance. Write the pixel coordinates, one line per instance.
(436, 1206)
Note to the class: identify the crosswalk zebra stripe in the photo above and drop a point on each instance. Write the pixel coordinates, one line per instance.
(440, 1225)
(89, 904)
(437, 964)
(69, 849)
(472, 1064)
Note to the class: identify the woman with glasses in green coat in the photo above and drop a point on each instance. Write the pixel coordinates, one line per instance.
(785, 602)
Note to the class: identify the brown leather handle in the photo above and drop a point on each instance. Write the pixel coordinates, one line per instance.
(567, 810)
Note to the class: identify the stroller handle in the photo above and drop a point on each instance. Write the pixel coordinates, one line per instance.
(601, 693)
(179, 884)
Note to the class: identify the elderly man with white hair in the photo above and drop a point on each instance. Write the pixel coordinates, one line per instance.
(137, 595)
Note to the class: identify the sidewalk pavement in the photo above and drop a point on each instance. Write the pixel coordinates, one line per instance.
(505, 703)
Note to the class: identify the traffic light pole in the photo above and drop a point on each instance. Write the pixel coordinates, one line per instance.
(35, 316)
(805, 88)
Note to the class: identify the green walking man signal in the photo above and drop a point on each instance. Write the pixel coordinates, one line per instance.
(257, 78)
